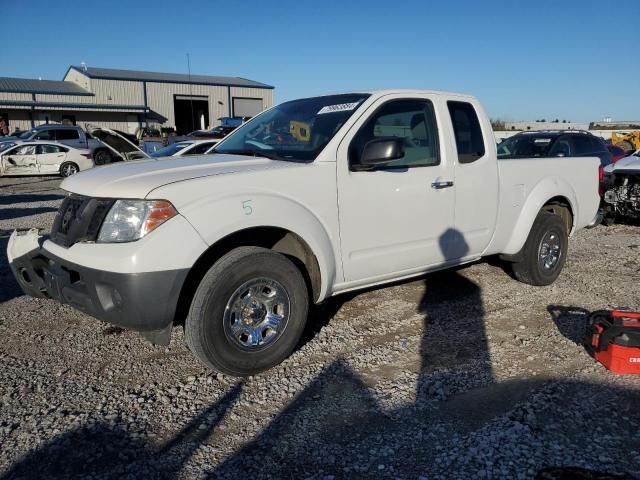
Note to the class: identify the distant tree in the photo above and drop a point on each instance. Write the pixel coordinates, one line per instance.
(556, 121)
(543, 120)
(564, 121)
(497, 124)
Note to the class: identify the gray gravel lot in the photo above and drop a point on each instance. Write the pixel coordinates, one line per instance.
(462, 374)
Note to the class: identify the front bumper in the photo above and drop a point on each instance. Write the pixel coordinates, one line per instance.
(145, 302)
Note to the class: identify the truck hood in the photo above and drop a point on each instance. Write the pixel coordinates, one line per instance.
(137, 179)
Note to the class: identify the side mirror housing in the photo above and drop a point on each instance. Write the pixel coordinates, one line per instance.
(379, 152)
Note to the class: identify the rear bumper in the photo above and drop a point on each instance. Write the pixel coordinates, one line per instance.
(145, 302)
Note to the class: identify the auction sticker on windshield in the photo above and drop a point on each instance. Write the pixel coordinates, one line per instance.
(342, 107)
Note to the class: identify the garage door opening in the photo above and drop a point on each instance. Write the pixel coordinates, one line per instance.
(192, 113)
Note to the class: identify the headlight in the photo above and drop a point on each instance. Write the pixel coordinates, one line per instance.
(129, 220)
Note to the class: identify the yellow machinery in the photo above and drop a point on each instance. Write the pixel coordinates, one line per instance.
(626, 141)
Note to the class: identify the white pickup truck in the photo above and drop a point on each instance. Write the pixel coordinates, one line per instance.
(309, 199)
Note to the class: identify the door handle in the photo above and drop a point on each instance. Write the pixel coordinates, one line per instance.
(439, 185)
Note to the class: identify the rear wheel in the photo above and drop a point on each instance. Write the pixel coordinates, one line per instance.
(543, 255)
(68, 168)
(248, 312)
(102, 157)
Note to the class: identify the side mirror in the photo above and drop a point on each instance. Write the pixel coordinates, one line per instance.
(380, 151)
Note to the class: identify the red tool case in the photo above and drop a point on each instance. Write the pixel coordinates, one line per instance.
(613, 339)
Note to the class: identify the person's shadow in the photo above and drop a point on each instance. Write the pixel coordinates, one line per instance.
(454, 331)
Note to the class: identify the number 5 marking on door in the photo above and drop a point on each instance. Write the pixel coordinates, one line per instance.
(246, 206)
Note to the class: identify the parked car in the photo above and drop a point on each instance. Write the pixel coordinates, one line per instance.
(370, 188)
(121, 148)
(44, 158)
(188, 147)
(622, 198)
(70, 135)
(617, 153)
(219, 132)
(558, 143)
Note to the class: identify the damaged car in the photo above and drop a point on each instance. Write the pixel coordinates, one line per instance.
(43, 158)
(622, 197)
(122, 149)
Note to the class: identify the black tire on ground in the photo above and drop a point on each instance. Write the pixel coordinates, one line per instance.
(548, 229)
(68, 168)
(102, 157)
(205, 331)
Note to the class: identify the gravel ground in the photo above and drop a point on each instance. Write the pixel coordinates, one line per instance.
(462, 374)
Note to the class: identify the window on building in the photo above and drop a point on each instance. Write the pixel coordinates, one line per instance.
(468, 133)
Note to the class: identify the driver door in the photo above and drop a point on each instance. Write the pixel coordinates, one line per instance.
(20, 160)
(396, 219)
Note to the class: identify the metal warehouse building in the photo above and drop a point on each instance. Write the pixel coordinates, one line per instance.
(128, 99)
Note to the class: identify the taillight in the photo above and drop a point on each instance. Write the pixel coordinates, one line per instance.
(600, 179)
(86, 155)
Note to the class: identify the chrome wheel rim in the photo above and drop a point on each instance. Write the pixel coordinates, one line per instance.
(69, 170)
(256, 314)
(550, 250)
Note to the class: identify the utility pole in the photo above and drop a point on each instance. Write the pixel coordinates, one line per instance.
(193, 127)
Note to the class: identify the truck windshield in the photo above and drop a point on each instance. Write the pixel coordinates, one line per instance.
(525, 145)
(294, 131)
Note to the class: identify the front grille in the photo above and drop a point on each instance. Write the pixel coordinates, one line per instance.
(79, 219)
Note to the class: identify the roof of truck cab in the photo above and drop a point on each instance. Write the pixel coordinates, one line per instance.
(404, 91)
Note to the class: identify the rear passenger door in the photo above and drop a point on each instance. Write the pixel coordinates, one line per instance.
(476, 174)
(71, 137)
(50, 157)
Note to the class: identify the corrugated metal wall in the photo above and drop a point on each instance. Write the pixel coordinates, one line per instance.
(117, 92)
(15, 97)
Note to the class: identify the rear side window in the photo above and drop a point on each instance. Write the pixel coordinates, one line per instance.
(583, 145)
(44, 149)
(466, 128)
(64, 134)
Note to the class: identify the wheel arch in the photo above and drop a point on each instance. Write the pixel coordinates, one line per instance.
(545, 196)
(278, 239)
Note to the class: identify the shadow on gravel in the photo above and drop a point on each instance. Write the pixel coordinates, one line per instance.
(28, 198)
(11, 213)
(337, 427)
(570, 321)
(9, 288)
(112, 452)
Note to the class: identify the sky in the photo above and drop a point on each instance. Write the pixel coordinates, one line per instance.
(525, 60)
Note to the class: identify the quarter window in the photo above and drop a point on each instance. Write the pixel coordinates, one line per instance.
(411, 120)
(467, 131)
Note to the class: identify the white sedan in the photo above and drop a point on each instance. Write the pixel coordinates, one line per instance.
(186, 147)
(44, 158)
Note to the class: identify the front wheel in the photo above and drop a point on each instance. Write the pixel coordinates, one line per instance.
(102, 157)
(68, 168)
(543, 255)
(248, 312)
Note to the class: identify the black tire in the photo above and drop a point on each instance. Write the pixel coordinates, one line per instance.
(530, 267)
(102, 157)
(207, 327)
(68, 168)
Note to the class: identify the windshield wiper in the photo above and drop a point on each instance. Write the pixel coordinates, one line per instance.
(253, 153)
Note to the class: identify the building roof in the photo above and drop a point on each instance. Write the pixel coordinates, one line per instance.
(114, 74)
(32, 85)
